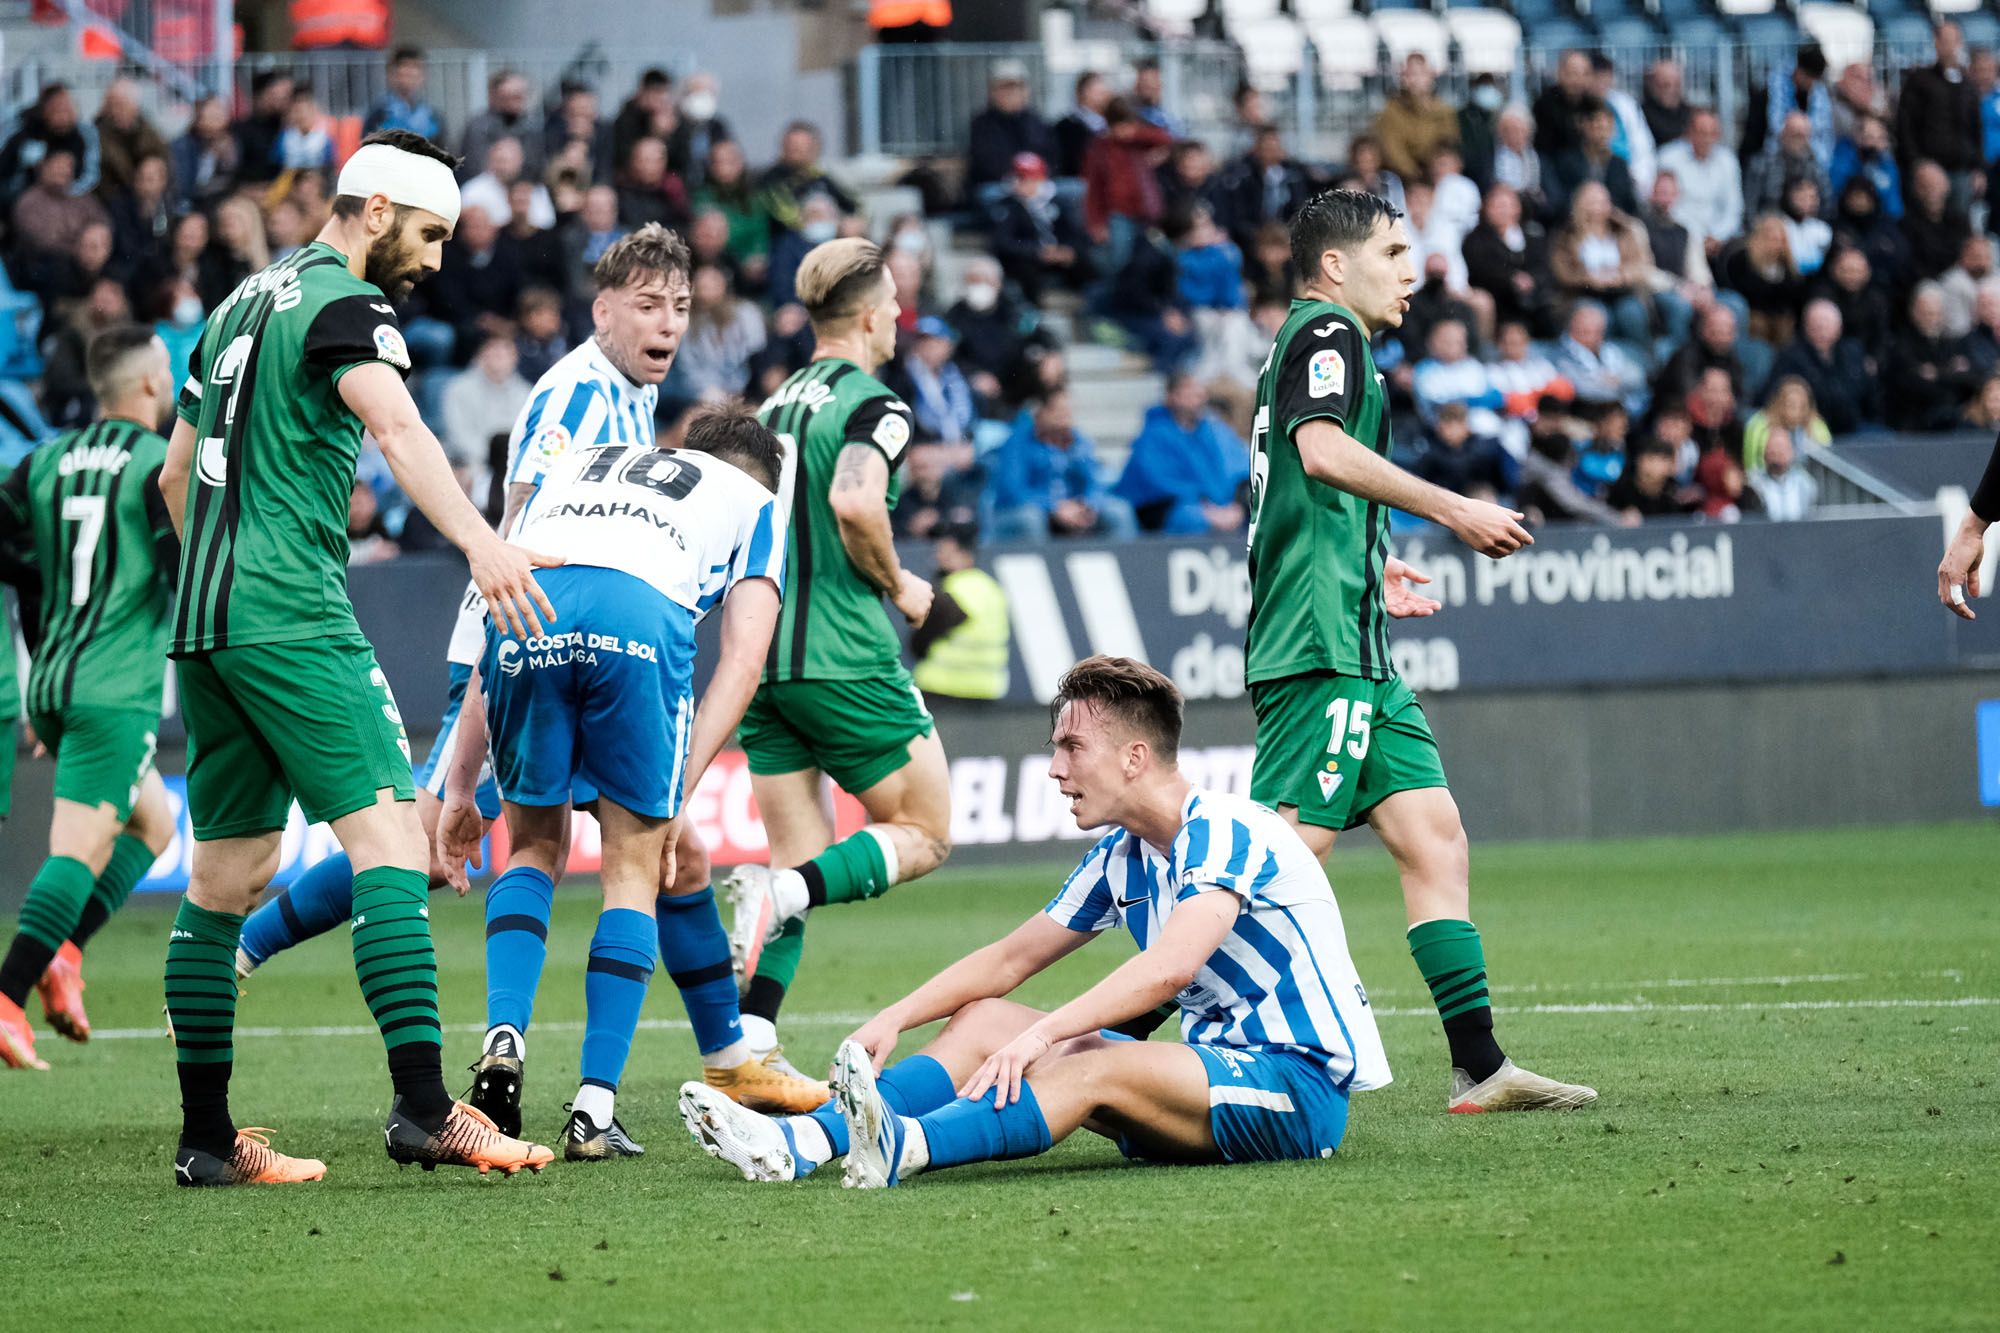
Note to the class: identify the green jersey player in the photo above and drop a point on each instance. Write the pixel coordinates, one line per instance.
(835, 698)
(87, 508)
(1341, 741)
(280, 692)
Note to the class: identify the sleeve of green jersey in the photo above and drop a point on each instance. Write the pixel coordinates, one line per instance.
(353, 331)
(1320, 376)
(885, 423)
(14, 500)
(187, 404)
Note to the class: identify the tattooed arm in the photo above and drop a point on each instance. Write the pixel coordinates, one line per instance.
(859, 498)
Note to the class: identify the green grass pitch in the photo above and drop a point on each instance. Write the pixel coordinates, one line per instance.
(1794, 1037)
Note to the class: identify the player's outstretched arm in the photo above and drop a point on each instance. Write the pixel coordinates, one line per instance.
(1958, 573)
(174, 473)
(749, 614)
(459, 826)
(984, 974)
(505, 574)
(859, 498)
(1141, 983)
(1329, 454)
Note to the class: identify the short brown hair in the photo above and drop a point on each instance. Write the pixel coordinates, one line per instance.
(1132, 693)
(638, 255)
(111, 360)
(733, 434)
(836, 278)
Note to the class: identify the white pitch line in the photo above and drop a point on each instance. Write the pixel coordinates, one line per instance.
(1702, 983)
(1381, 1011)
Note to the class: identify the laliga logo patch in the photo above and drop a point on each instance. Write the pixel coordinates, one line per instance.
(1325, 374)
(390, 347)
(892, 432)
(510, 658)
(553, 441)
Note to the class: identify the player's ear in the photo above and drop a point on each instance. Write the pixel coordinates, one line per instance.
(600, 312)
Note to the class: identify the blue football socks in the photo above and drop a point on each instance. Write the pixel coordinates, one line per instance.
(614, 988)
(517, 935)
(912, 1086)
(695, 948)
(314, 903)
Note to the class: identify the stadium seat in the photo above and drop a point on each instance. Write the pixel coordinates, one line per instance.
(1273, 51)
(1628, 33)
(1532, 12)
(1559, 33)
(1238, 13)
(1311, 13)
(1695, 31)
(1488, 39)
(1672, 11)
(1347, 51)
(1981, 28)
(1844, 32)
(1955, 6)
(1772, 29)
(1738, 8)
(1177, 12)
(1378, 6)
(1907, 32)
(1404, 31)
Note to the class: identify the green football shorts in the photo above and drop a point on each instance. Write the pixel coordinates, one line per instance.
(313, 718)
(1337, 746)
(102, 754)
(857, 732)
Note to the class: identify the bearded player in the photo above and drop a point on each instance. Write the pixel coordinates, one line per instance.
(1341, 740)
(280, 690)
(836, 700)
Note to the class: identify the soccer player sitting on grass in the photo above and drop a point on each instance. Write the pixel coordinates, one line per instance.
(1235, 921)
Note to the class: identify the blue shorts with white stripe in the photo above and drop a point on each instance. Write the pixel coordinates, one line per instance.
(1267, 1104)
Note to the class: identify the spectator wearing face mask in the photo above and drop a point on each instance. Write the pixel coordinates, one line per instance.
(1035, 238)
(1479, 127)
(701, 127)
(819, 222)
(994, 332)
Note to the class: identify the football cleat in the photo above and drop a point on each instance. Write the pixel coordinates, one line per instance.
(874, 1132)
(17, 1039)
(755, 922)
(61, 987)
(496, 1085)
(583, 1141)
(769, 1084)
(1512, 1088)
(251, 1161)
(730, 1132)
(467, 1138)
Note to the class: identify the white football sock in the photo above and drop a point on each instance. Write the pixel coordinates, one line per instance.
(788, 894)
(596, 1103)
(810, 1136)
(916, 1149)
(735, 1053)
(759, 1034)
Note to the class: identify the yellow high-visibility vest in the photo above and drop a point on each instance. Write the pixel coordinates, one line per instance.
(970, 662)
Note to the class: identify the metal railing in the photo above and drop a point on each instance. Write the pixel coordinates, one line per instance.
(916, 101)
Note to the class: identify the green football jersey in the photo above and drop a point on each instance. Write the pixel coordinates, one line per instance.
(10, 673)
(1316, 552)
(89, 502)
(265, 532)
(833, 625)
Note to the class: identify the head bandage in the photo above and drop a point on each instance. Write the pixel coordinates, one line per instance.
(409, 179)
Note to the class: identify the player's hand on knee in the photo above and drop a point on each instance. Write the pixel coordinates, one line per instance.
(878, 1036)
(1005, 1068)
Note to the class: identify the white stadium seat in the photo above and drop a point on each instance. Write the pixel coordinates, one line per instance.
(1177, 13)
(1273, 51)
(1955, 6)
(1488, 39)
(1844, 32)
(1236, 13)
(1738, 8)
(1346, 48)
(1405, 31)
(1312, 13)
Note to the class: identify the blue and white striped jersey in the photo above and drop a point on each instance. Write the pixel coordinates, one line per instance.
(1283, 976)
(582, 400)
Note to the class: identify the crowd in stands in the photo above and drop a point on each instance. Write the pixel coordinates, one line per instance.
(1619, 316)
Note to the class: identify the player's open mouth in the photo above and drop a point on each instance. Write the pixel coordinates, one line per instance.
(659, 356)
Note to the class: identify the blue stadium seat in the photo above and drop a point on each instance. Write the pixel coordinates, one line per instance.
(1628, 31)
(1603, 11)
(1558, 33)
(1532, 12)
(1773, 29)
(1672, 11)
(1696, 30)
(1906, 30)
(1980, 27)
(1377, 6)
